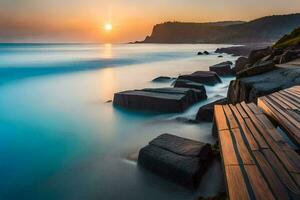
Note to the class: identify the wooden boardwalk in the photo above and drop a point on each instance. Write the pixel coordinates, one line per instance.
(284, 108)
(258, 162)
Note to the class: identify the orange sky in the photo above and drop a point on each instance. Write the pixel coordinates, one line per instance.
(83, 20)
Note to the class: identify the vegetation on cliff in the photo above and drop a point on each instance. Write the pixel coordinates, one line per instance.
(291, 39)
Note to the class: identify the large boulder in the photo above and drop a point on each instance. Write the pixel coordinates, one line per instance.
(250, 88)
(256, 69)
(178, 159)
(289, 55)
(222, 69)
(206, 112)
(180, 83)
(240, 64)
(162, 100)
(256, 55)
(204, 77)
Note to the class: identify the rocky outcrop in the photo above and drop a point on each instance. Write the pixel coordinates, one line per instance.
(204, 77)
(258, 54)
(256, 69)
(162, 79)
(206, 112)
(244, 50)
(250, 88)
(222, 69)
(240, 64)
(180, 83)
(177, 159)
(162, 100)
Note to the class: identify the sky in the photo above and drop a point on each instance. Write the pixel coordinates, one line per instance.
(131, 20)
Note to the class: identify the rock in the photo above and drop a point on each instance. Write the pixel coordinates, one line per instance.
(162, 79)
(257, 69)
(222, 69)
(108, 101)
(180, 83)
(220, 56)
(161, 100)
(199, 53)
(206, 112)
(250, 88)
(256, 55)
(204, 77)
(178, 159)
(206, 52)
(289, 55)
(240, 64)
(241, 50)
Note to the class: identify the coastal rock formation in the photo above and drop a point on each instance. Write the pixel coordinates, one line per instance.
(177, 159)
(162, 79)
(240, 64)
(244, 50)
(162, 100)
(250, 88)
(180, 83)
(256, 69)
(204, 77)
(206, 112)
(222, 69)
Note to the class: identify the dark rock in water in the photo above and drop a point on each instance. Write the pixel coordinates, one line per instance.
(220, 56)
(240, 64)
(222, 69)
(199, 53)
(204, 77)
(206, 52)
(250, 88)
(162, 79)
(178, 159)
(257, 69)
(180, 83)
(162, 100)
(289, 55)
(256, 55)
(109, 101)
(206, 112)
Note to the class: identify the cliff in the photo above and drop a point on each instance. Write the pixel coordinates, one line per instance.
(266, 29)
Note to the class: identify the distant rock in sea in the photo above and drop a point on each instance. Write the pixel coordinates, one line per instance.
(204, 77)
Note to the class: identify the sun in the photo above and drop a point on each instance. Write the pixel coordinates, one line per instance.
(108, 27)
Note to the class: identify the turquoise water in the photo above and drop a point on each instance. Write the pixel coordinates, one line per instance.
(60, 139)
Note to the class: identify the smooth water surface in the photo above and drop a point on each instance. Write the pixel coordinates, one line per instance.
(61, 139)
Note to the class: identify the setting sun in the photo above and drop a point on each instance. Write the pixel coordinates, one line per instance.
(108, 27)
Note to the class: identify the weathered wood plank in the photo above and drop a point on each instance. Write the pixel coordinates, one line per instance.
(230, 117)
(293, 98)
(258, 183)
(260, 140)
(292, 104)
(236, 186)
(275, 184)
(283, 175)
(227, 148)
(220, 118)
(242, 149)
(241, 110)
(249, 137)
(256, 110)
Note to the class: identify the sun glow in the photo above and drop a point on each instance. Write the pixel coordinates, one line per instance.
(108, 27)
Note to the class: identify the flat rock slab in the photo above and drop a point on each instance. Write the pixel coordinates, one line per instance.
(222, 69)
(177, 159)
(189, 84)
(162, 79)
(161, 100)
(204, 77)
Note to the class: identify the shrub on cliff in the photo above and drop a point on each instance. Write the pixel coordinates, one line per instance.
(291, 39)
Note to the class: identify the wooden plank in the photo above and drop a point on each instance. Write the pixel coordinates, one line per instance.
(275, 100)
(236, 186)
(255, 109)
(230, 117)
(220, 118)
(275, 184)
(280, 170)
(227, 148)
(293, 98)
(241, 110)
(260, 140)
(242, 149)
(292, 104)
(258, 183)
(249, 137)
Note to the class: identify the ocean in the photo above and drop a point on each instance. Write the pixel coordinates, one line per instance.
(60, 138)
